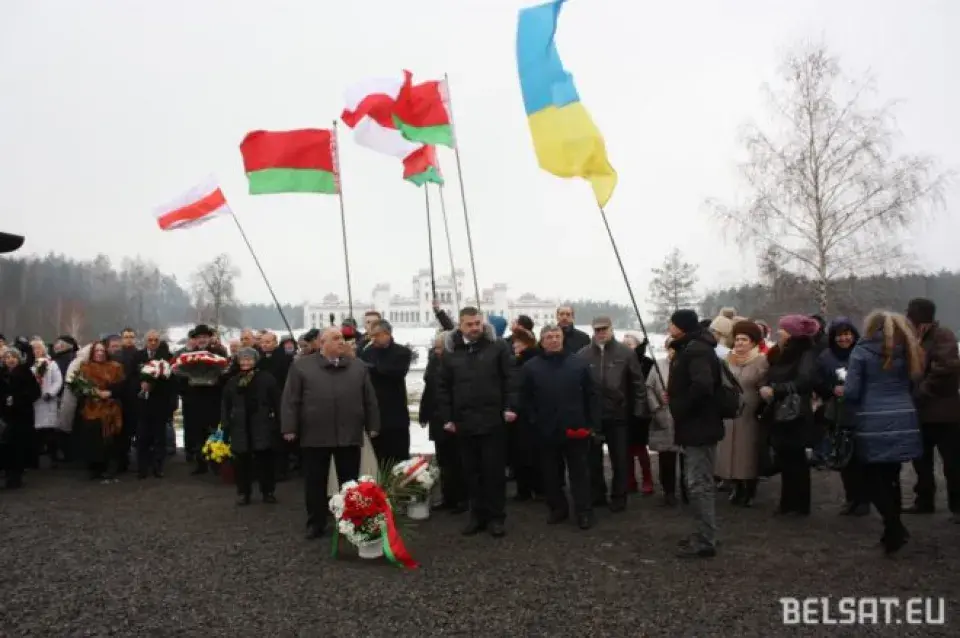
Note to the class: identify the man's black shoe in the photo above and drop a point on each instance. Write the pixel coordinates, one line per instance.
(688, 551)
(585, 521)
(315, 532)
(496, 529)
(473, 527)
(556, 518)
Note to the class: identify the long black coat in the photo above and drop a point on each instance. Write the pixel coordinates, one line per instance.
(388, 373)
(250, 413)
(475, 385)
(18, 391)
(277, 364)
(428, 414)
(691, 387)
(793, 368)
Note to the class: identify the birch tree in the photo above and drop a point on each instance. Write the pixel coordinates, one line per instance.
(827, 190)
(214, 291)
(672, 287)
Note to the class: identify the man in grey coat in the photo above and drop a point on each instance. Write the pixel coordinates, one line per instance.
(327, 403)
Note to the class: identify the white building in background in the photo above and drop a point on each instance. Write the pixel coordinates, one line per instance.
(416, 310)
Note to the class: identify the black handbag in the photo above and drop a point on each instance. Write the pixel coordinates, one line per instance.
(788, 408)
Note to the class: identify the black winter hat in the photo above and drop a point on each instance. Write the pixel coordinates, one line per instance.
(921, 311)
(525, 322)
(686, 320)
(310, 335)
(202, 330)
(70, 340)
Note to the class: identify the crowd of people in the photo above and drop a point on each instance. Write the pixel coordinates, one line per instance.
(733, 402)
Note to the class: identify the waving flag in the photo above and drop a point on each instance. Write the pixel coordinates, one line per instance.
(299, 161)
(567, 142)
(421, 167)
(198, 205)
(422, 112)
(369, 112)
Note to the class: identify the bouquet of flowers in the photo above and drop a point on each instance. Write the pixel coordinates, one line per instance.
(216, 449)
(40, 367)
(200, 367)
(364, 517)
(414, 479)
(153, 371)
(82, 387)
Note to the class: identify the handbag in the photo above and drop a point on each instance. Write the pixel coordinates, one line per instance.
(788, 408)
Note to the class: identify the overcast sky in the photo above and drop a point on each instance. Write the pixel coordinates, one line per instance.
(111, 107)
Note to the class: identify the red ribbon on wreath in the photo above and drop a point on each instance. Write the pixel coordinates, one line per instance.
(577, 434)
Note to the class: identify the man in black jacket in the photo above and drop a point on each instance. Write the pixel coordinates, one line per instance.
(276, 361)
(623, 390)
(560, 403)
(389, 363)
(698, 427)
(573, 340)
(474, 399)
(155, 403)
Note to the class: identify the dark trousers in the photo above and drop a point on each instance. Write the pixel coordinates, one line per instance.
(392, 446)
(854, 489)
(201, 414)
(617, 438)
(667, 465)
(151, 440)
(316, 472)
(453, 485)
(524, 462)
(576, 456)
(48, 441)
(485, 470)
(882, 485)
(260, 465)
(124, 438)
(794, 480)
(945, 438)
(15, 452)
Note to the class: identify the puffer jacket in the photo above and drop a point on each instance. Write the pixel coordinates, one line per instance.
(886, 427)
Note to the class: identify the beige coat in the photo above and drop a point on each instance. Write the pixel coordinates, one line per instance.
(738, 453)
(661, 424)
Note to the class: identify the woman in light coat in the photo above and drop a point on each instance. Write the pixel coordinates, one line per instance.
(738, 454)
(661, 439)
(47, 373)
(68, 402)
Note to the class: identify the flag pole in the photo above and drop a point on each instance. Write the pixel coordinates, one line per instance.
(236, 220)
(446, 230)
(633, 299)
(463, 193)
(433, 279)
(343, 217)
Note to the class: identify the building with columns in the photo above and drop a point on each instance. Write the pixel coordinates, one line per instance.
(416, 310)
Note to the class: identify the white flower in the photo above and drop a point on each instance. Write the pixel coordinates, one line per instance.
(841, 374)
(349, 485)
(336, 505)
(345, 528)
(366, 479)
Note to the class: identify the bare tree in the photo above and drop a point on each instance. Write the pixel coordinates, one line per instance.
(213, 291)
(828, 192)
(672, 287)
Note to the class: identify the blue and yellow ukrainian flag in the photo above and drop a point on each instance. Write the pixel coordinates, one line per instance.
(567, 142)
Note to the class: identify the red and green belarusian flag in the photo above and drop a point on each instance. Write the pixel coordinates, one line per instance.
(299, 161)
(421, 112)
(421, 167)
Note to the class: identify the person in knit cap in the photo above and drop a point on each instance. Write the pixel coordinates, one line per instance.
(791, 382)
(698, 427)
(938, 406)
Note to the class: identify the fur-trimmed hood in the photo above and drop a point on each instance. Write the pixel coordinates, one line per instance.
(449, 337)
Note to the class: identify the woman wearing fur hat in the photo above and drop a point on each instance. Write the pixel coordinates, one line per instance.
(19, 389)
(788, 392)
(722, 330)
(738, 453)
(251, 403)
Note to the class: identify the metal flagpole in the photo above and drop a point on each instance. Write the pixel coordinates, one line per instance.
(453, 269)
(633, 299)
(343, 217)
(463, 193)
(262, 274)
(433, 279)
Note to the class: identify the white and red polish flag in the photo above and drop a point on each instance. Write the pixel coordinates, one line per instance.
(200, 204)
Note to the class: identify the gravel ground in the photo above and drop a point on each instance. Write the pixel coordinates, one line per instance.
(175, 557)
